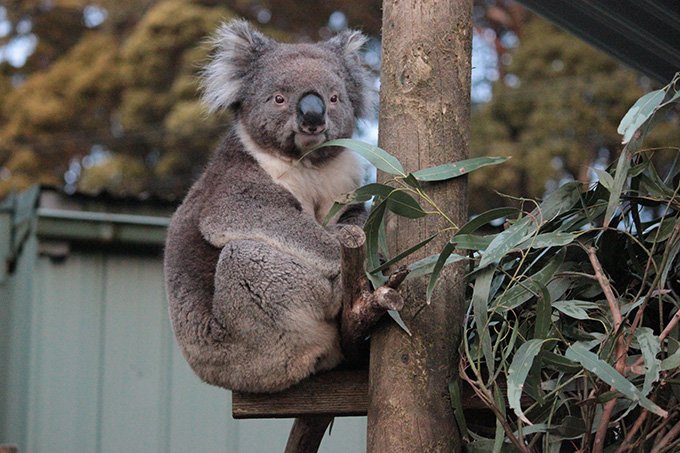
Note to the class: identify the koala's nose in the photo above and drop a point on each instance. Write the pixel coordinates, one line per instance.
(311, 113)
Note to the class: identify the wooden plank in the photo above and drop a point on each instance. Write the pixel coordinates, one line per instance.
(340, 393)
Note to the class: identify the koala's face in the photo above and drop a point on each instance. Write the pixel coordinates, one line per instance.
(288, 97)
(297, 98)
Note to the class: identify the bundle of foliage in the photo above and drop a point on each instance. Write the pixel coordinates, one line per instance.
(572, 336)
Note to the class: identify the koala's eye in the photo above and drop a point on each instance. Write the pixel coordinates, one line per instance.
(279, 99)
(334, 99)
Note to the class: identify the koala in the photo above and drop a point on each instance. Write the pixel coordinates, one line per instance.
(252, 277)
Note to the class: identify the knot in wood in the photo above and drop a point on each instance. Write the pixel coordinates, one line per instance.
(351, 236)
(415, 69)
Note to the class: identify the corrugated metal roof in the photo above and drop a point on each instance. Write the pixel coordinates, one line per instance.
(644, 34)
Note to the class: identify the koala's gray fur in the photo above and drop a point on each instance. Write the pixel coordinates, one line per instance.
(253, 279)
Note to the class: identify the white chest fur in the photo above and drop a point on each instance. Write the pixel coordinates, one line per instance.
(315, 187)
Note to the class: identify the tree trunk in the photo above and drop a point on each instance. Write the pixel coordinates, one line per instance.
(424, 121)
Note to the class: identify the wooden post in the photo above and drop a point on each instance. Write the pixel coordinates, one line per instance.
(424, 121)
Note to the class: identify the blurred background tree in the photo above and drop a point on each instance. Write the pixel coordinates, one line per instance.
(102, 95)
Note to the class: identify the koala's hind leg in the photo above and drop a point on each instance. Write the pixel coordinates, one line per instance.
(280, 312)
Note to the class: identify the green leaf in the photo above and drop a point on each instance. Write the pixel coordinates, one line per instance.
(578, 353)
(425, 266)
(486, 217)
(365, 193)
(499, 436)
(380, 158)
(575, 308)
(559, 201)
(558, 363)
(404, 205)
(616, 189)
(671, 362)
(517, 374)
(472, 241)
(480, 307)
(372, 230)
(504, 242)
(403, 254)
(650, 347)
(541, 241)
(639, 113)
(400, 322)
(457, 406)
(522, 291)
(453, 170)
(443, 256)
(337, 207)
(412, 181)
(543, 313)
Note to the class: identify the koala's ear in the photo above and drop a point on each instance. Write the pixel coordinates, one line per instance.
(237, 46)
(348, 45)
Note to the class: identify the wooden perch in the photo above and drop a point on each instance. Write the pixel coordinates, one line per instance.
(361, 307)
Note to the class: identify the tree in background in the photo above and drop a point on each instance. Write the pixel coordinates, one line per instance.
(555, 111)
(108, 98)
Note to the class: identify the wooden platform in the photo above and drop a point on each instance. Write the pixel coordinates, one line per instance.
(338, 393)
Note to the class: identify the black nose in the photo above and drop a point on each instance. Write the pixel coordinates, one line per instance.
(311, 113)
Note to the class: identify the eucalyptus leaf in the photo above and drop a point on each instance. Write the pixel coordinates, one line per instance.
(555, 239)
(604, 178)
(505, 241)
(472, 241)
(526, 289)
(425, 266)
(443, 256)
(517, 374)
(609, 375)
(372, 230)
(559, 201)
(650, 347)
(482, 219)
(671, 362)
(404, 205)
(499, 435)
(480, 306)
(400, 322)
(403, 254)
(380, 158)
(543, 312)
(620, 177)
(639, 113)
(575, 308)
(336, 208)
(456, 169)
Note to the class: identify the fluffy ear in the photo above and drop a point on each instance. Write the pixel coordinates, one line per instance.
(237, 46)
(348, 45)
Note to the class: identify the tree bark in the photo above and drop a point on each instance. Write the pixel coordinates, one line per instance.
(424, 121)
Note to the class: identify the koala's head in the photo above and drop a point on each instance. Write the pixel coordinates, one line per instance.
(288, 97)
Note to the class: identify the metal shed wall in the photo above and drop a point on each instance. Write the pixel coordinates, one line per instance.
(89, 362)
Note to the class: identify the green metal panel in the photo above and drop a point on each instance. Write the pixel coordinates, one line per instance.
(65, 354)
(136, 359)
(15, 330)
